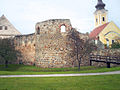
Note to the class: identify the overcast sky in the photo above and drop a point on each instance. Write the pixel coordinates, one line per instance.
(24, 14)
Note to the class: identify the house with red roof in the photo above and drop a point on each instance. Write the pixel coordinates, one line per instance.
(104, 31)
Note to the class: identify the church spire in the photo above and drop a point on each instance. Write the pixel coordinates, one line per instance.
(100, 5)
(100, 14)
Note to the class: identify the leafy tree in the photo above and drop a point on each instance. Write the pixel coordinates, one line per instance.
(115, 45)
(82, 46)
(7, 51)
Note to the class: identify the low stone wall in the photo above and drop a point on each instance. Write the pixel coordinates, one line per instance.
(106, 52)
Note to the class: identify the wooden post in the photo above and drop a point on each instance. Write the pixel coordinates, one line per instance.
(108, 64)
(90, 62)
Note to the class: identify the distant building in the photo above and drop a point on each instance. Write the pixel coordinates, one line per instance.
(7, 30)
(104, 31)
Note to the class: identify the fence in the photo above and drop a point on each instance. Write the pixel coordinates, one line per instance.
(106, 59)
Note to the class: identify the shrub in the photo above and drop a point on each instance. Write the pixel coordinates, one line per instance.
(115, 45)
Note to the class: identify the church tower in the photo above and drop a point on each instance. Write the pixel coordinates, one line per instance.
(100, 15)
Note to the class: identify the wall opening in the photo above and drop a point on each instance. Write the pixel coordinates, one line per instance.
(63, 28)
(38, 30)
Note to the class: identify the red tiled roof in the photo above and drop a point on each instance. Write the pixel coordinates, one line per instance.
(97, 30)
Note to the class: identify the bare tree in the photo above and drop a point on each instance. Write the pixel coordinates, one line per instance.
(82, 46)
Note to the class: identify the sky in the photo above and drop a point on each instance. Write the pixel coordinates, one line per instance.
(24, 14)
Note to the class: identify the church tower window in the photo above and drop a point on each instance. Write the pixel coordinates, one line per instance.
(96, 20)
(103, 19)
(100, 14)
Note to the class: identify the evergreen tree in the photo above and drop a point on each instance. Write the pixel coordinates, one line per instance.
(7, 51)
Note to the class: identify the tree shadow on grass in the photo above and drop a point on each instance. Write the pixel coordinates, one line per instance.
(11, 67)
(8, 55)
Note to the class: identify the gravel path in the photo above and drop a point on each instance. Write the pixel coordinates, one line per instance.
(61, 75)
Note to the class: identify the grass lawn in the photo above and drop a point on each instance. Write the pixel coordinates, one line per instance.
(104, 82)
(24, 69)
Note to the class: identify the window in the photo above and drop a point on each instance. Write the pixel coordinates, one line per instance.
(113, 41)
(3, 27)
(38, 30)
(96, 19)
(103, 19)
(0, 27)
(6, 28)
(107, 42)
(63, 28)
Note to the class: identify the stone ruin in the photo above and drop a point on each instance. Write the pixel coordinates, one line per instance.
(48, 47)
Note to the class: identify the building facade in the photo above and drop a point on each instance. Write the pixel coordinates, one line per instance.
(104, 31)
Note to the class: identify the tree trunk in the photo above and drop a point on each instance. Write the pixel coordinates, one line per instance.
(78, 65)
(6, 63)
(79, 62)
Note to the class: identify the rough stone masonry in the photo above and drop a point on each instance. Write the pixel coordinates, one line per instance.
(48, 47)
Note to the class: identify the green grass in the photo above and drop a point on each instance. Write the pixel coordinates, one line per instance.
(104, 82)
(28, 68)
(24, 69)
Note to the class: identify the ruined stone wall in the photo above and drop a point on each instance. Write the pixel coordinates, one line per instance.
(48, 47)
(52, 45)
(25, 45)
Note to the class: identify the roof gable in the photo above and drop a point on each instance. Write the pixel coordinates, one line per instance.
(97, 30)
(112, 28)
(11, 30)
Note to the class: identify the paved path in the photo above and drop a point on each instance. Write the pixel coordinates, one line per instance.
(60, 75)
